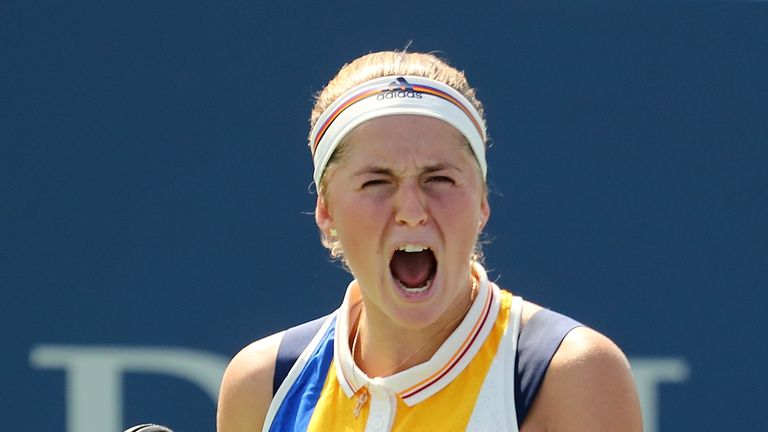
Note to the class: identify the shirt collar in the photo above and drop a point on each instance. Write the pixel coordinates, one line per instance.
(421, 381)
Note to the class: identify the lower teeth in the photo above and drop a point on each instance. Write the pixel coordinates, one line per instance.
(415, 290)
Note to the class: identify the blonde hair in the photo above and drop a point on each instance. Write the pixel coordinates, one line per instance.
(377, 65)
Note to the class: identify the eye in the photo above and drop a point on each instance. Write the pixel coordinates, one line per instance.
(440, 179)
(374, 182)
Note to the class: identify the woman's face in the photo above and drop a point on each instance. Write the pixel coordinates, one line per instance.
(407, 201)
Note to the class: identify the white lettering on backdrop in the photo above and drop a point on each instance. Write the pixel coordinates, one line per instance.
(94, 377)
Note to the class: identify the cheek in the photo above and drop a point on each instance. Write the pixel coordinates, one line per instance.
(461, 208)
(460, 218)
(358, 221)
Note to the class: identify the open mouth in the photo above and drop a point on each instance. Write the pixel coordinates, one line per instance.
(413, 267)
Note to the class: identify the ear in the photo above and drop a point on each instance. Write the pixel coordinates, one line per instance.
(323, 216)
(485, 213)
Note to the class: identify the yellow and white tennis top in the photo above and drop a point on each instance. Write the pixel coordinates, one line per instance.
(467, 385)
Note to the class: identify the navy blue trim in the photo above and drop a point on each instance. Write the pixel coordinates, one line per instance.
(294, 341)
(296, 409)
(538, 341)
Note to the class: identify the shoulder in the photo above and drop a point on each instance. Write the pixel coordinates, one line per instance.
(246, 388)
(588, 387)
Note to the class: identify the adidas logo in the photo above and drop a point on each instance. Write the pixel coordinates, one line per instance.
(399, 88)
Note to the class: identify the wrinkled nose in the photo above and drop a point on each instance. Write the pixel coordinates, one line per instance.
(411, 206)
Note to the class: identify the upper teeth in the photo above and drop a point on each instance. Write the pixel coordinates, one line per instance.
(412, 248)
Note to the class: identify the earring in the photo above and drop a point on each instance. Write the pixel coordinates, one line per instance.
(333, 232)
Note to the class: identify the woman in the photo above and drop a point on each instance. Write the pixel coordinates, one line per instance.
(422, 340)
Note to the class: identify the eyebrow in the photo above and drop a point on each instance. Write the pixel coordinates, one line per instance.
(374, 169)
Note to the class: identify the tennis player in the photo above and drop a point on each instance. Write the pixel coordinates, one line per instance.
(422, 341)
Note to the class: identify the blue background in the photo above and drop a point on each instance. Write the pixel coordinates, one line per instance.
(155, 180)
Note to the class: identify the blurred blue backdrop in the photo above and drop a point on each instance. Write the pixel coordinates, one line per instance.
(155, 200)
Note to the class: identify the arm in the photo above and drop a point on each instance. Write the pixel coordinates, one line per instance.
(588, 387)
(246, 389)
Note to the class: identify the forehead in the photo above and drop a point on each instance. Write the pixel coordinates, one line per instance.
(404, 138)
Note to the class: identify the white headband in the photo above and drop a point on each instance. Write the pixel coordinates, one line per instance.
(391, 96)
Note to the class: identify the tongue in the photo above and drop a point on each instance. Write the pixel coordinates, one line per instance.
(413, 269)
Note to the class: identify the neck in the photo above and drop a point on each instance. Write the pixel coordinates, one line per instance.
(386, 349)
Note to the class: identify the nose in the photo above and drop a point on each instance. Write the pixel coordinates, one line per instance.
(411, 205)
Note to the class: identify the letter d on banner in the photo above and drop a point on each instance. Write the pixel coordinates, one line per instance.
(94, 377)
